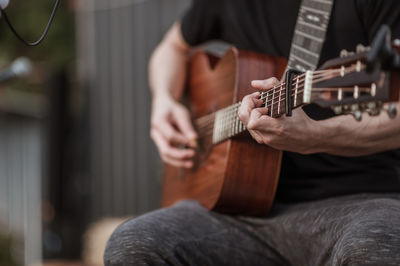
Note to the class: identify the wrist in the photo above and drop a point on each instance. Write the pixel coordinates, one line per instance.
(329, 135)
(162, 96)
(320, 135)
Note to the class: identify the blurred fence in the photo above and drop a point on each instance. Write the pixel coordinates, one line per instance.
(115, 41)
(21, 151)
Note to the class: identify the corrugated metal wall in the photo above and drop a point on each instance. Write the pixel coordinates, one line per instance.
(21, 151)
(115, 41)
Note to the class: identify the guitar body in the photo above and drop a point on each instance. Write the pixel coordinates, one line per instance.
(237, 176)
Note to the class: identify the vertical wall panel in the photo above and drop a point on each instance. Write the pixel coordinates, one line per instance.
(20, 180)
(115, 41)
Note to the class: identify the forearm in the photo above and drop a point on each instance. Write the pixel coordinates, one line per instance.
(344, 136)
(167, 68)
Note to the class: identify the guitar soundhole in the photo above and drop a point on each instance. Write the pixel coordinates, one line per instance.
(203, 152)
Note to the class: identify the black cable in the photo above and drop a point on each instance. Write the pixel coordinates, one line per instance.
(46, 30)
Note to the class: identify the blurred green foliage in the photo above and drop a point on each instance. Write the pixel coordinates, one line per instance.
(5, 251)
(30, 17)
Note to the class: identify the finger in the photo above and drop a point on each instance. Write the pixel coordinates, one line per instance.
(178, 163)
(256, 136)
(255, 117)
(169, 133)
(249, 102)
(265, 84)
(183, 122)
(262, 110)
(168, 151)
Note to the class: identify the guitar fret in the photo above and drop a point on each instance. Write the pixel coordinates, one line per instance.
(229, 124)
(225, 124)
(235, 125)
(272, 103)
(227, 128)
(309, 36)
(266, 102)
(305, 50)
(279, 99)
(222, 125)
(323, 5)
(302, 61)
(318, 11)
(323, 2)
(311, 25)
(237, 118)
(232, 123)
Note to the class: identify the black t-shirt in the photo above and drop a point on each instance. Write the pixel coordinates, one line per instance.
(267, 26)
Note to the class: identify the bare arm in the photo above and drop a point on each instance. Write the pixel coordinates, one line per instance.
(348, 137)
(171, 126)
(340, 135)
(167, 68)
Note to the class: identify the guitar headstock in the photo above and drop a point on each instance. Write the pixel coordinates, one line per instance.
(349, 85)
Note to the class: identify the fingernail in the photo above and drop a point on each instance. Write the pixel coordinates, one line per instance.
(193, 142)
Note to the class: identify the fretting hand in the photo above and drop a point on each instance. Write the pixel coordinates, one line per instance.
(297, 133)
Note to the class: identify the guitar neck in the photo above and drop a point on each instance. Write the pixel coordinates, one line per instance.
(226, 123)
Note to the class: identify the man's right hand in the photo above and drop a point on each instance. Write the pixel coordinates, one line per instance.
(173, 132)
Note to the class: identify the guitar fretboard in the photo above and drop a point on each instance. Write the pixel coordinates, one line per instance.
(309, 34)
(227, 123)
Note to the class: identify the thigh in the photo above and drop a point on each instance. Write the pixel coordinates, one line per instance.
(351, 230)
(188, 234)
(360, 229)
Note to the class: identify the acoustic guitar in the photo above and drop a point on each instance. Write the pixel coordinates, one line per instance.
(232, 172)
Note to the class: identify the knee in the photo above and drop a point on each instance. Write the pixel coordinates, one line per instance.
(150, 239)
(371, 239)
(130, 245)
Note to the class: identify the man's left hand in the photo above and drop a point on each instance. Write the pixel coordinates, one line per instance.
(297, 133)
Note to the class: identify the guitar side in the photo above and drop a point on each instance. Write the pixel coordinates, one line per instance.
(236, 176)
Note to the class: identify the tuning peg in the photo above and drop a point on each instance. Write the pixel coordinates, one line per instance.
(391, 110)
(344, 53)
(373, 111)
(361, 48)
(357, 115)
(373, 108)
(337, 109)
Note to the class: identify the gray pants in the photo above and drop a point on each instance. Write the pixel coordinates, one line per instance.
(361, 229)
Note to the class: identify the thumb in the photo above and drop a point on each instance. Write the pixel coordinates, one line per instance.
(184, 124)
(265, 84)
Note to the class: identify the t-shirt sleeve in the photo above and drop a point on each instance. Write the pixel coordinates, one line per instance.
(200, 22)
(379, 12)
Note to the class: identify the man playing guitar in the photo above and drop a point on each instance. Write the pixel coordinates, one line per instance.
(338, 200)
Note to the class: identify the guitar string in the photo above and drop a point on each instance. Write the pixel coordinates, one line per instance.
(281, 89)
(323, 72)
(300, 82)
(230, 128)
(232, 113)
(229, 109)
(284, 89)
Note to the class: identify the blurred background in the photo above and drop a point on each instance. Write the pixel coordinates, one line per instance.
(75, 154)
